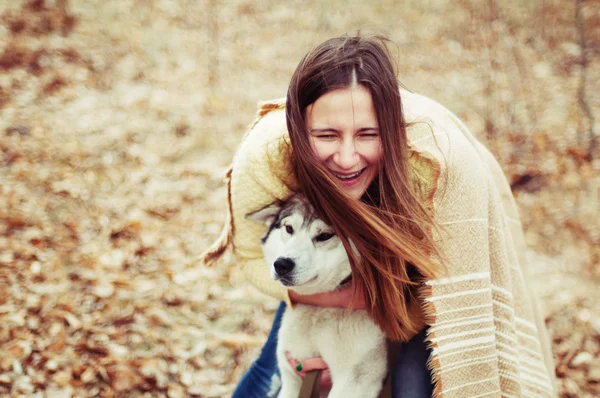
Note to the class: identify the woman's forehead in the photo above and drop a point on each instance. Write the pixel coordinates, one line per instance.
(342, 106)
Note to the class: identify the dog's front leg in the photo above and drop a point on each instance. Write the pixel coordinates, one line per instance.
(290, 381)
(359, 370)
(351, 387)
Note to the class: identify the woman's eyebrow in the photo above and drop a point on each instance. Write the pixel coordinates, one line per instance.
(329, 129)
(324, 130)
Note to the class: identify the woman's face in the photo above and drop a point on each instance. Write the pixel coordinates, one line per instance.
(344, 135)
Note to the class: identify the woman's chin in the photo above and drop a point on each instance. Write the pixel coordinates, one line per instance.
(357, 191)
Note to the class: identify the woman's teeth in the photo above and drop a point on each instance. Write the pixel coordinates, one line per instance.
(349, 177)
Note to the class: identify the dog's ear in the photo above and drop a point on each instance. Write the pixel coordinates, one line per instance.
(266, 215)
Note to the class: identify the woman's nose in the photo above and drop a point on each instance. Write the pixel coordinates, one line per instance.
(346, 157)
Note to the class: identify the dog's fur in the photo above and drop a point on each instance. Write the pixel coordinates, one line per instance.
(305, 255)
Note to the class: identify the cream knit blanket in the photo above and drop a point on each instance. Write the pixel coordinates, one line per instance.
(485, 330)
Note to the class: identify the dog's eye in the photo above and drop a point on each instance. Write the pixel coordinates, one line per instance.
(289, 229)
(323, 237)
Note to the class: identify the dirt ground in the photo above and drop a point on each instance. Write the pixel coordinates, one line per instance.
(119, 117)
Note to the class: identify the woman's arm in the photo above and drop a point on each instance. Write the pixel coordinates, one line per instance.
(340, 298)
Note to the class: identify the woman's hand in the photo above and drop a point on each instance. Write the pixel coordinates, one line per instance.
(340, 298)
(309, 364)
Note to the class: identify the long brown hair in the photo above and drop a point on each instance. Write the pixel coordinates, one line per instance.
(389, 227)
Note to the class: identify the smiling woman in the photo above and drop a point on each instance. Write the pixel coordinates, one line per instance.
(350, 156)
(437, 252)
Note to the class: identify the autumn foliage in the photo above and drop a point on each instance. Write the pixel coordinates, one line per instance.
(119, 118)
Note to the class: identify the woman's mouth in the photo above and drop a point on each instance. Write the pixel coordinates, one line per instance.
(349, 179)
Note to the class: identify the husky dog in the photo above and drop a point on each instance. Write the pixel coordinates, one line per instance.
(305, 255)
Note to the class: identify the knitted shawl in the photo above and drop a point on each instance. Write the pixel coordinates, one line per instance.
(486, 334)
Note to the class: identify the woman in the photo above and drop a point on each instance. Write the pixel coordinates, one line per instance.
(428, 210)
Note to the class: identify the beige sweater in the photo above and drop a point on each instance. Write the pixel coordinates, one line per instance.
(485, 330)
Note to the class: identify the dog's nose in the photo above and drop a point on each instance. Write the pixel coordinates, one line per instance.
(283, 266)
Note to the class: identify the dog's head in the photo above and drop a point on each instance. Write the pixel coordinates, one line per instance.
(302, 250)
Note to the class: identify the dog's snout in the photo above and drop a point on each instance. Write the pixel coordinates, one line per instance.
(284, 266)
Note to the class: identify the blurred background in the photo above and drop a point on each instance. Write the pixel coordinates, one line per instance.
(119, 117)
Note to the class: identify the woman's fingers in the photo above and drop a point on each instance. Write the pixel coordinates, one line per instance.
(306, 365)
(325, 382)
(294, 364)
(312, 364)
(316, 363)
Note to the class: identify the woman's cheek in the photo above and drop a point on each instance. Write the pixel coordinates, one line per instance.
(322, 150)
(373, 152)
(378, 152)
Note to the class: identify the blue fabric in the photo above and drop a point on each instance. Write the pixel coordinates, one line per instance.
(256, 382)
(410, 379)
(410, 376)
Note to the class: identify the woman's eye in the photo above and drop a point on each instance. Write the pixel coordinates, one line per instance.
(369, 135)
(323, 237)
(326, 137)
(289, 229)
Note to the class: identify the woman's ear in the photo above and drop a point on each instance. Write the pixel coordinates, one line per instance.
(267, 215)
